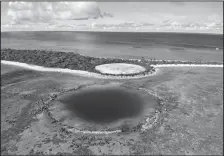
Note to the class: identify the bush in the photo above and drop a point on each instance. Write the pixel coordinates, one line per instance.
(76, 61)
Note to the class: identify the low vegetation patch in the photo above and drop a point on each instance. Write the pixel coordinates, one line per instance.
(75, 61)
(67, 60)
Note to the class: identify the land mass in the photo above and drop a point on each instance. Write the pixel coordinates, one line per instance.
(75, 61)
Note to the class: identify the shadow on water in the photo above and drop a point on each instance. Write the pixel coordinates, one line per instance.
(103, 105)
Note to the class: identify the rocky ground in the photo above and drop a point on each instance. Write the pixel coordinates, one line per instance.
(190, 118)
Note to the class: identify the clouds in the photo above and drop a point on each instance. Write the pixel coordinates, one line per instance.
(76, 10)
(108, 16)
(20, 12)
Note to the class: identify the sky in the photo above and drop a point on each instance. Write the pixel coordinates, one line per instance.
(113, 16)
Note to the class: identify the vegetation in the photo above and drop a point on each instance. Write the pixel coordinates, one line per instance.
(76, 61)
(68, 60)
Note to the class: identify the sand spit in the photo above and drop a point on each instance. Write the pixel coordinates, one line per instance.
(76, 72)
(95, 75)
(188, 65)
(139, 60)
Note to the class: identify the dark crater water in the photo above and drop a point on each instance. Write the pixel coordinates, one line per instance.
(103, 105)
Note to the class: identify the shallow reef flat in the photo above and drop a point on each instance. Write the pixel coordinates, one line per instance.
(189, 119)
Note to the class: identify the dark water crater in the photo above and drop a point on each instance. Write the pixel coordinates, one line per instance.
(103, 104)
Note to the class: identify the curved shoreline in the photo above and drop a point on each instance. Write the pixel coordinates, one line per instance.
(188, 65)
(68, 60)
(96, 75)
(120, 68)
(70, 71)
(146, 124)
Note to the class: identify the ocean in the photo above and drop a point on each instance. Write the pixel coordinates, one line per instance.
(128, 45)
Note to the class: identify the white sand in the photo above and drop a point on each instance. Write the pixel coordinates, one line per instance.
(70, 71)
(119, 68)
(95, 75)
(94, 132)
(188, 65)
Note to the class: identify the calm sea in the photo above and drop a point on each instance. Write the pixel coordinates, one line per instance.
(173, 46)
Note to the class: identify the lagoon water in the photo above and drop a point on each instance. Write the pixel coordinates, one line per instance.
(172, 46)
(105, 104)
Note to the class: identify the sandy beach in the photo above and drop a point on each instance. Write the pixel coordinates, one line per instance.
(76, 72)
(95, 75)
